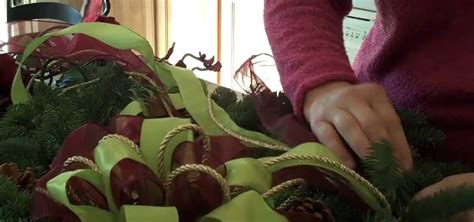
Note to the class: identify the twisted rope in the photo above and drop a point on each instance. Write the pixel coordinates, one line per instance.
(200, 168)
(291, 200)
(335, 164)
(125, 140)
(82, 160)
(32, 80)
(267, 145)
(153, 83)
(167, 139)
(79, 85)
(283, 186)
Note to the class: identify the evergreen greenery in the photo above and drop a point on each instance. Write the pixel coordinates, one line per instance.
(14, 204)
(383, 171)
(240, 110)
(31, 133)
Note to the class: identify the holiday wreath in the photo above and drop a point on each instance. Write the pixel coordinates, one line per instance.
(116, 136)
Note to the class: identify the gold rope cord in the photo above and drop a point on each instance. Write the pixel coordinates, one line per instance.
(82, 160)
(153, 83)
(284, 186)
(333, 163)
(125, 140)
(79, 86)
(200, 168)
(167, 139)
(267, 145)
(286, 205)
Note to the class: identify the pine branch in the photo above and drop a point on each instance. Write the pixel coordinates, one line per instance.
(31, 133)
(384, 172)
(224, 97)
(241, 111)
(419, 132)
(20, 150)
(14, 204)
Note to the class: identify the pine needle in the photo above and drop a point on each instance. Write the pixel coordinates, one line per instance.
(15, 204)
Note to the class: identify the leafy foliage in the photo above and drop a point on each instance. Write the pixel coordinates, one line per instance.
(15, 204)
(384, 172)
(382, 169)
(240, 110)
(31, 133)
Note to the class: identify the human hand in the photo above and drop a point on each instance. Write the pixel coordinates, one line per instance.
(360, 115)
(447, 183)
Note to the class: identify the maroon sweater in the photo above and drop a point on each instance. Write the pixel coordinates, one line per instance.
(420, 51)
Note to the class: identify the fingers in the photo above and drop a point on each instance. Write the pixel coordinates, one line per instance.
(348, 127)
(466, 216)
(428, 191)
(394, 129)
(329, 136)
(445, 184)
(448, 183)
(359, 115)
(370, 122)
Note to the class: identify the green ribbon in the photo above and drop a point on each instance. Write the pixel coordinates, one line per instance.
(176, 100)
(248, 207)
(245, 172)
(133, 108)
(108, 153)
(195, 100)
(58, 190)
(248, 172)
(319, 150)
(147, 214)
(115, 36)
(152, 134)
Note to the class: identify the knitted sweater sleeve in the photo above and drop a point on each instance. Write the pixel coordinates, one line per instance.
(307, 43)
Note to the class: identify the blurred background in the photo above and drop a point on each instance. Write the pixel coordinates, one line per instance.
(230, 30)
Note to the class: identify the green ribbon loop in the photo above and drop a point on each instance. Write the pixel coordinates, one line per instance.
(152, 134)
(115, 36)
(107, 154)
(129, 213)
(133, 108)
(57, 188)
(319, 150)
(248, 172)
(194, 99)
(249, 207)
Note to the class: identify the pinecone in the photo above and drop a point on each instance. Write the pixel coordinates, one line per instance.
(308, 210)
(25, 180)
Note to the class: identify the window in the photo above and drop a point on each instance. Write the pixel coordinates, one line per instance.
(194, 28)
(3, 20)
(243, 35)
(357, 25)
(233, 30)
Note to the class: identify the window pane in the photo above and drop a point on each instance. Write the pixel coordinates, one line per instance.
(244, 35)
(194, 29)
